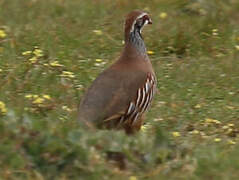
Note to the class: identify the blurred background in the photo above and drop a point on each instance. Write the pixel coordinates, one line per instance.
(50, 52)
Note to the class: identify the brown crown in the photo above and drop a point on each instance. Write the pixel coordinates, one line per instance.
(130, 19)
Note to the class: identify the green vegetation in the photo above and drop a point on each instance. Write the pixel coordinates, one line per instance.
(51, 50)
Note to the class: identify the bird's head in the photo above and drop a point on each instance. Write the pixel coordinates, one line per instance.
(135, 21)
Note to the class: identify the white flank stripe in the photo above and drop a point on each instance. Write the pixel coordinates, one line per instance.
(143, 98)
(138, 98)
(147, 86)
(146, 104)
(135, 119)
(130, 109)
(132, 115)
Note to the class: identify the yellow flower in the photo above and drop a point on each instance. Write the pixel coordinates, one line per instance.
(231, 142)
(55, 64)
(100, 63)
(146, 127)
(66, 108)
(231, 125)
(33, 59)
(98, 32)
(67, 74)
(28, 96)
(3, 109)
(209, 120)
(79, 86)
(38, 52)
(46, 96)
(150, 52)
(163, 15)
(0, 70)
(98, 60)
(133, 178)
(216, 121)
(229, 131)
(217, 139)
(195, 132)
(2, 34)
(38, 100)
(237, 47)
(214, 32)
(25, 53)
(176, 134)
(225, 127)
(197, 106)
(35, 96)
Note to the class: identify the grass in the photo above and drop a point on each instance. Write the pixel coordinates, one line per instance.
(50, 52)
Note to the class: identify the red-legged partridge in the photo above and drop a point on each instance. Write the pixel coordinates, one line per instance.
(121, 94)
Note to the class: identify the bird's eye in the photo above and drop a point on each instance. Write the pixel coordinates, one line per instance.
(145, 17)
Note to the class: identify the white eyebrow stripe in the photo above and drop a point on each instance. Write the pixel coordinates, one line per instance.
(141, 15)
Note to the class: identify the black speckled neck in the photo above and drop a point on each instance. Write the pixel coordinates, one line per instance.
(136, 40)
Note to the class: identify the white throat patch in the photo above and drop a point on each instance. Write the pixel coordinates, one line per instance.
(145, 23)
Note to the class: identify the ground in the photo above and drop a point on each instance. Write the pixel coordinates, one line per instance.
(50, 52)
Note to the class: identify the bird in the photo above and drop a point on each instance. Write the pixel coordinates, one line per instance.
(119, 97)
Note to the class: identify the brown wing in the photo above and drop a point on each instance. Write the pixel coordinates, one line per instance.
(132, 115)
(109, 96)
